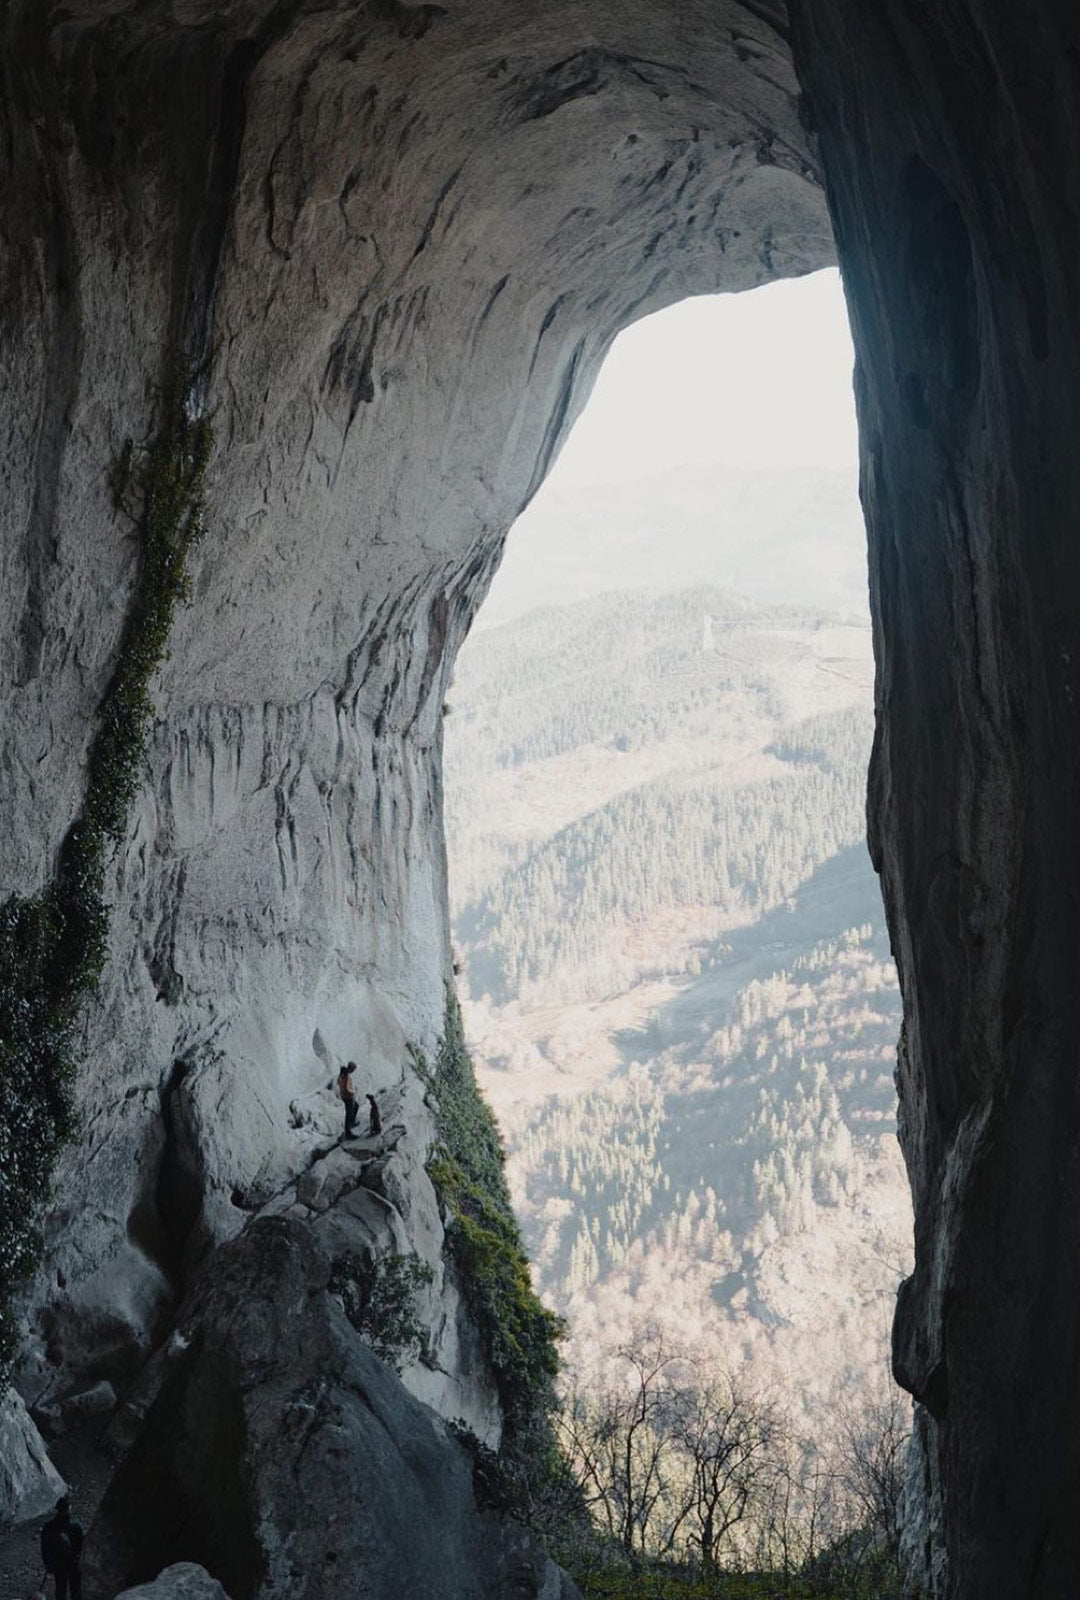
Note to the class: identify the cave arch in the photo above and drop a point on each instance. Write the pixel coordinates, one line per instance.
(403, 237)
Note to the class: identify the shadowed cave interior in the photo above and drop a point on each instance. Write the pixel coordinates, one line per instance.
(392, 245)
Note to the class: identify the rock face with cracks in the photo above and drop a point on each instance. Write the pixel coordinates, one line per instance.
(278, 1452)
(342, 212)
(395, 242)
(949, 141)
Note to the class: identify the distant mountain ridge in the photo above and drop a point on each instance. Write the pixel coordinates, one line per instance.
(790, 536)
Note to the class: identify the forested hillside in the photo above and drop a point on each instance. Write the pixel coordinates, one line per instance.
(679, 976)
(738, 850)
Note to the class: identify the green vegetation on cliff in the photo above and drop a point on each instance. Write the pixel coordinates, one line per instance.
(520, 1335)
(379, 1297)
(53, 946)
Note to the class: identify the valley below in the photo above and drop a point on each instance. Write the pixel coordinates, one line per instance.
(677, 980)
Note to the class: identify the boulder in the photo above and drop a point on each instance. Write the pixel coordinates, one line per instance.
(57, 1416)
(29, 1483)
(184, 1580)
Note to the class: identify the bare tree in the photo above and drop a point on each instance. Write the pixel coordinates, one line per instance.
(872, 1442)
(672, 1457)
(832, 1517)
(623, 1441)
(729, 1439)
(676, 1460)
(583, 1423)
(799, 1516)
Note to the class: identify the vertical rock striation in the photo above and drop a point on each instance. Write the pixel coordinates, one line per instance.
(399, 240)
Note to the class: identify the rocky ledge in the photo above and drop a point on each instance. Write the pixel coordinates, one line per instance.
(271, 1446)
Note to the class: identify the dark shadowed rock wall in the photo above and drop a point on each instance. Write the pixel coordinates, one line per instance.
(951, 139)
(279, 1453)
(396, 241)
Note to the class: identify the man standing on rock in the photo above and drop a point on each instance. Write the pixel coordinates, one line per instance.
(348, 1098)
(61, 1550)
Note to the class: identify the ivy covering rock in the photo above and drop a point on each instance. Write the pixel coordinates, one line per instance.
(519, 1334)
(53, 946)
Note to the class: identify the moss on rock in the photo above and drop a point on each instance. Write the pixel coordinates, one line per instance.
(53, 946)
(519, 1334)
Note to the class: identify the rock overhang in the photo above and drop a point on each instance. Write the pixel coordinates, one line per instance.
(404, 238)
(401, 239)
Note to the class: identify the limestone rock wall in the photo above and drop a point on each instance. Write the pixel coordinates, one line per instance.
(400, 240)
(395, 243)
(279, 1453)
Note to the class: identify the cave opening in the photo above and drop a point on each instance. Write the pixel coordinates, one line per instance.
(670, 939)
(428, 224)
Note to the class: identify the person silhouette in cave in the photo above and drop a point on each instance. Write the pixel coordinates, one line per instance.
(61, 1550)
(375, 1126)
(348, 1097)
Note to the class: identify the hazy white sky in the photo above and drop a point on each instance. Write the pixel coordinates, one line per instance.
(675, 474)
(755, 379)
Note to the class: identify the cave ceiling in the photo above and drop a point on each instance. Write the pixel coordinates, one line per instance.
(393, 243)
